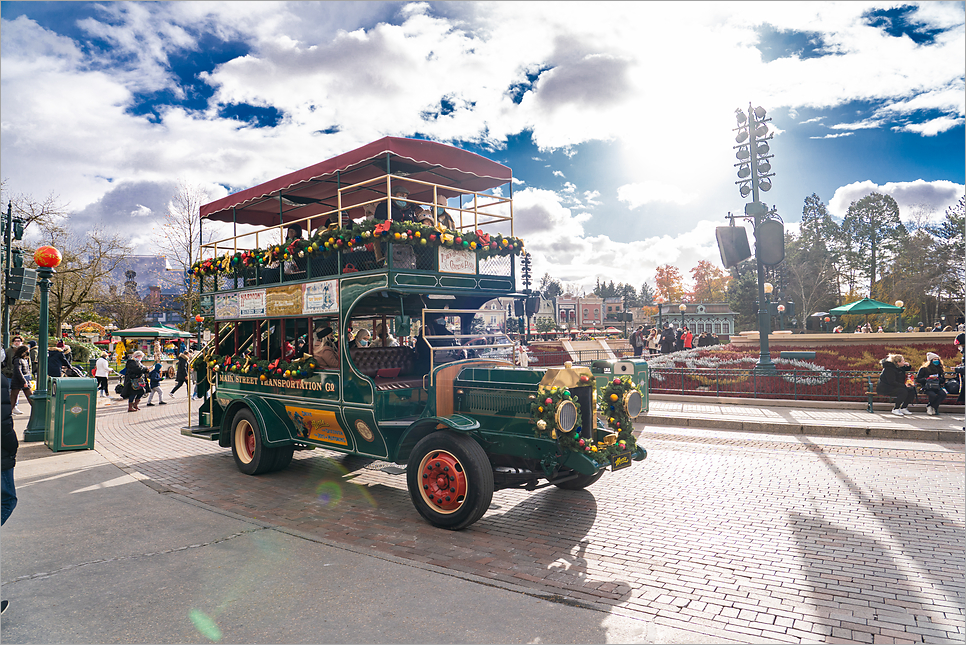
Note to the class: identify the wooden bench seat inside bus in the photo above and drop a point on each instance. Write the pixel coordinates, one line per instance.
(390, 367)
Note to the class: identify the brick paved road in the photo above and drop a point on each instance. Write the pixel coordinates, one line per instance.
(753, 537)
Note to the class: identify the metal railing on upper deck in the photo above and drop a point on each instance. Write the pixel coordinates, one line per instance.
(482, 213)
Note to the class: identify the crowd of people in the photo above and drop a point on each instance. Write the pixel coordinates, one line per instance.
(668, 340)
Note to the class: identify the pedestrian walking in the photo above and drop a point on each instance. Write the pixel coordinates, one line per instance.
(8, 455)
(7, 363)
(653, 342)
(102, 370)
(892, 383)
(21, 381)
(932, 379)
(154, 385)
(181, 373)
(135, 381)
(33, 357)
(58, 362)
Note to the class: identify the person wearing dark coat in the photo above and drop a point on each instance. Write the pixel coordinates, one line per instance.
(181, 373)
(892, 382)
(931, 378)
(57, 361)
(667, 340)
(400, 210)
(8, 450)
(132, 371)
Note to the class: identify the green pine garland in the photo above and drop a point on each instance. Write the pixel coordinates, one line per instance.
(358, 235)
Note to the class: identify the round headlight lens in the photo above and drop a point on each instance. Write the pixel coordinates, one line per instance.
(633, 403)
(567, 416)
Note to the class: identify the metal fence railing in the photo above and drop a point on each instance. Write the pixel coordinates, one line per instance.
(806, 384)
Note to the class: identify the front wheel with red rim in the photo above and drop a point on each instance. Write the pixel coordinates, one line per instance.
(450, 480)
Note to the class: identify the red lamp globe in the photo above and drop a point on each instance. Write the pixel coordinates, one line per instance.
(199, 318)
(47, 257)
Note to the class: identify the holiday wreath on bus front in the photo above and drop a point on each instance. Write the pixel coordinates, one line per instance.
(609, 405)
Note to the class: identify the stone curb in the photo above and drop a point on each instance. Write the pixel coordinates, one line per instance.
(873, 432)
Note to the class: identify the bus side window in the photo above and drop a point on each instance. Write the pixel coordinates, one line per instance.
(296, 338)
(274, 344)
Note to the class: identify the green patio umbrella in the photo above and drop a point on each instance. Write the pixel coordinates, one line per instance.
(866, 306)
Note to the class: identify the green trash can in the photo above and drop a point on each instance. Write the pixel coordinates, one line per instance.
(71, 410)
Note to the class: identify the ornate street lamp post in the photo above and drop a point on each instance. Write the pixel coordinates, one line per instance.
(47, 258)
(660, 301)
(899, 304)
(682, 308)
(781, 317)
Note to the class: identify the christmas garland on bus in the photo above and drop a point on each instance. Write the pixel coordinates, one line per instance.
(363, 235)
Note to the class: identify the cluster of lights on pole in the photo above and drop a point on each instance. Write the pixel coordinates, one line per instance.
(754, 167)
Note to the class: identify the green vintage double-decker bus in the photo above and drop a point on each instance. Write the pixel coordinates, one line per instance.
(359, 306)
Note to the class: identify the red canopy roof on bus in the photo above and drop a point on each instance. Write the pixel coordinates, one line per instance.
(313, 190)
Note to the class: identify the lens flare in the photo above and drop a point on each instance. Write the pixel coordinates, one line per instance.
(328, 494)
(205, 625)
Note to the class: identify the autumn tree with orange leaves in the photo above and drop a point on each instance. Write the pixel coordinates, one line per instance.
(669, 283)
(710, 282)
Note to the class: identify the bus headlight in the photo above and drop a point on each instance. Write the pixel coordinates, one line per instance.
(633, 403)
(566, 416)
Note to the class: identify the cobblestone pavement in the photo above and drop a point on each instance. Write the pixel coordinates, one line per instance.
(754, 537)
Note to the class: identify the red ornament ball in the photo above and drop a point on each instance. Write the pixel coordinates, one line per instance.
(48, 257)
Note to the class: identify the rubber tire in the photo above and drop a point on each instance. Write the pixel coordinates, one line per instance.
(581, 482)
(283, 457)
(479, 479)
(262, 459)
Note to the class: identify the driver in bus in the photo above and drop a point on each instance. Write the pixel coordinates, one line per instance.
(324, 349)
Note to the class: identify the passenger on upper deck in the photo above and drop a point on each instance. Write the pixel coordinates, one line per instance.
(402, 210)
(324, 349)
(442, 217)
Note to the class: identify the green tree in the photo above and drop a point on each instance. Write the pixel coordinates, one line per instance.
(810, 262)
(550, 287)
(951, 251)
(871, 232)
(742, 294)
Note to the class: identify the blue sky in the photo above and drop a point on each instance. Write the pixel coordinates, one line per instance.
(616, 118)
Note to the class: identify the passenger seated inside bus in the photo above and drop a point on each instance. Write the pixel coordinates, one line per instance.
(383, 337)
(361, 338)
(324, 349)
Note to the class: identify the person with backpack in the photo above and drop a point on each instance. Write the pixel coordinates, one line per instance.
(637, 341)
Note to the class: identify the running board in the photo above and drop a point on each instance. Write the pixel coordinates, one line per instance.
(201, 432)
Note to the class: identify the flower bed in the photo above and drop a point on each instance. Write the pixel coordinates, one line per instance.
(836, 373)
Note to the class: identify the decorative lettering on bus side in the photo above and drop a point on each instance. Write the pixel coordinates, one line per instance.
(316, 386)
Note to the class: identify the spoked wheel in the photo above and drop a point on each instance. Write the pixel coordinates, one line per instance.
(251, 455)
(580, 482)
(450, 480)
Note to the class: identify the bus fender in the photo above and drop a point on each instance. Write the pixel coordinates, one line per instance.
(273, 428)
(428, 425)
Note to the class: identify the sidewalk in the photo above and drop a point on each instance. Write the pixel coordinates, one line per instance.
(806, 417)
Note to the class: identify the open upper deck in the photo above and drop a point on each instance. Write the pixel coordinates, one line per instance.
(455, 221)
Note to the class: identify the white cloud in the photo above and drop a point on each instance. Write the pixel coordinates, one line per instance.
(933, 127)
(934, 196)
(557, 173)
(375, 69)
(647, 192)
(835, 136)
